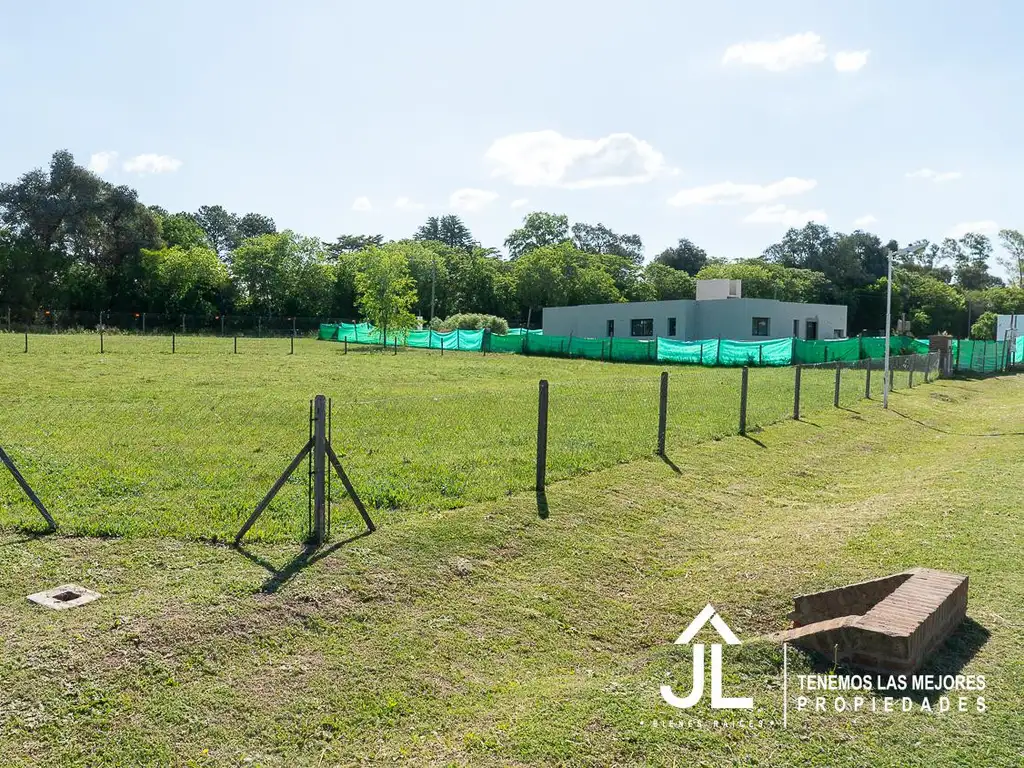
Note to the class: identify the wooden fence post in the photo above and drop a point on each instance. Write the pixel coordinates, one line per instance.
(867, 382)
(910, 379)
(319, 468)
(542, 435)
(835, 396)
(743, 400)
(796, 393)
(662, 413)
(173, 342)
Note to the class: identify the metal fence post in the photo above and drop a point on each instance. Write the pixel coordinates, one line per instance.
(26, 339)
(442, 347)
(319, 468)
(346, 346)
(867, 382)
(173, 342)
(910, 379)
(835, 395)
(542, 435)
(796, 393)
(236, 343)
(743, 399)
(662, 413)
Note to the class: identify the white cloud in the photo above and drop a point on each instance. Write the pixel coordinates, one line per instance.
(865, 220)
(850, 61)
(362, 204)
(730, 193)
(405, 204)
(99, 162)
(778, 55)
(471, 200)
(780, 214)
(519, 203)
(936, 176)
(548, 159)
(978, 227)
(151, 163)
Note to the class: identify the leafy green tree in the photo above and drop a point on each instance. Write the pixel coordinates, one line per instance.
(253, 225)
(220, 226)
(685, 256)
(970, 257)
(763, 280)
(184, 280)
(539, 229)
(183, 231)
(1013, 260)
(386, 290)
(450, 230)
(984, 328)
(599, 239)
(932, 305)
(666, 283)
(353, 243)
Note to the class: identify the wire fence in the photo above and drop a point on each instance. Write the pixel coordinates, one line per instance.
(141, 462)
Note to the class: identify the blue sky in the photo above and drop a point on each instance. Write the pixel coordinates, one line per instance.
(722, 122)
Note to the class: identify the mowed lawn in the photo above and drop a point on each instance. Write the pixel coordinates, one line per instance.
(142, 441)
(493, 635)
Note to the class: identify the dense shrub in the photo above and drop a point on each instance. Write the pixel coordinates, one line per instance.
(470, 322)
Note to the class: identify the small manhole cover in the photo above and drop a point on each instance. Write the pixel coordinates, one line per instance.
(64, 597)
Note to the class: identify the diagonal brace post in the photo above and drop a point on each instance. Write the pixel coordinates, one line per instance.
(273, 491)
(350, 489)
(27, 489)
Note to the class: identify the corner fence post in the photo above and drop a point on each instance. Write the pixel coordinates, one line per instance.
(662, 413)
(867, 382)
(796, 393)
(743, 399)
(835, 395)
(542, 434)
(319, 468)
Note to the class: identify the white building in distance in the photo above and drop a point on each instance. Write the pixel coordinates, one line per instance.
(719, 311)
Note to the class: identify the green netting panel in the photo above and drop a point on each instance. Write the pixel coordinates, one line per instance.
(919, 346)
(695, 352)
(979, 356)
(328, 332)
(1019, 350)
(592, 349)
(523, 332)
(774, 352)
(548, 346)
(826, 350)
(631, 350)
(506, 343)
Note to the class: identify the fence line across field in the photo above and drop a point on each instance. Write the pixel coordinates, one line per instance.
(165, 469)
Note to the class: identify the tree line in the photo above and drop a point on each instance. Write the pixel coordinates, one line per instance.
(70, 240)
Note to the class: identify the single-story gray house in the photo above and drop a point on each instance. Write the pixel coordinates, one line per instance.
(718, 311)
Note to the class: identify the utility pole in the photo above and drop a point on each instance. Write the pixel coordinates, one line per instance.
(433, 281)
(913, 247)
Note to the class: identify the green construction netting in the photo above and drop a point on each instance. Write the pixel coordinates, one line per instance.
(982, 356)
(523, 332)
(505, 343)
(693, 352)
(364, 333)
(825, 351)
(774, 352)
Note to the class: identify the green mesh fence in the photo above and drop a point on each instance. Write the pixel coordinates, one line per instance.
(982, 356)
(825, 351)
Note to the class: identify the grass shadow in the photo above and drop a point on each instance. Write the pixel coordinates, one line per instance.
(309, 555)
(28, 534)
(542, 504)
(670, 463)
(754, 440)
(950, 432)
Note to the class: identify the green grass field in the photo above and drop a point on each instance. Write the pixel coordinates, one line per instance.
(488, 635)
(140, 441)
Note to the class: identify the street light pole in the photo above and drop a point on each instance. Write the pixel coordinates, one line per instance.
(912, 248)
(888, 332)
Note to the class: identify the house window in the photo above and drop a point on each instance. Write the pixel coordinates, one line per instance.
(644, 327)
(761, 327)
(796, 328)
(671, 326)
(611, 327)
(812, 329)
(839, 333)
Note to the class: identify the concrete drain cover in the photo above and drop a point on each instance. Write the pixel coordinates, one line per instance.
(64, 597)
